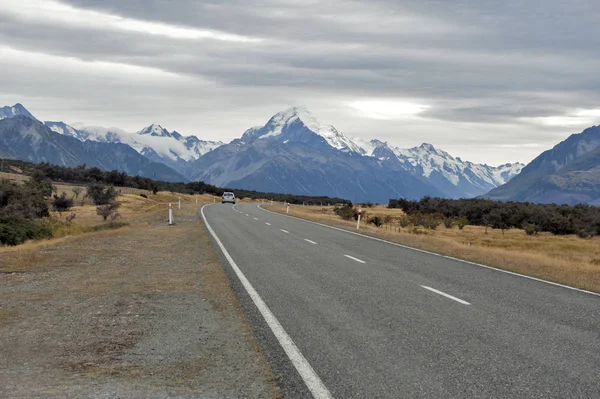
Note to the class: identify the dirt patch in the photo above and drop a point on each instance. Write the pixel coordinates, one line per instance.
(144, 311)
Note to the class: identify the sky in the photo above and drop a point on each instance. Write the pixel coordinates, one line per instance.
(488, 81)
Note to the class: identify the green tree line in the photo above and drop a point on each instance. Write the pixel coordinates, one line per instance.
(583, 220)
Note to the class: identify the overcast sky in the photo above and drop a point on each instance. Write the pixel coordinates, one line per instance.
(489, 81)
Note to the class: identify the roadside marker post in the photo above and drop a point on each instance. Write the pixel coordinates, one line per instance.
(179, 202)
(358, 220)
(287, 207)
(170, 215)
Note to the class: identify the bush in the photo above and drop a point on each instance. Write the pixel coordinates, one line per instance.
(404, 221)
(530, 229)
(461, 222)
(62, 203)
(376, 220)
(108, 210)
(448, 223)
(100, 194)
(18, 232)
(21, 202)
(346, 212)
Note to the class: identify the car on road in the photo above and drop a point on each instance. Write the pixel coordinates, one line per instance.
(228, 197)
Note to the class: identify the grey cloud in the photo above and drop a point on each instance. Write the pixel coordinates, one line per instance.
(477, 62)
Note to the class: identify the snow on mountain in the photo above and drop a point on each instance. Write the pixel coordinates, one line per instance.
(296, 118)
(15, 110)
(427, 161)
(154, 130)
(169, 145)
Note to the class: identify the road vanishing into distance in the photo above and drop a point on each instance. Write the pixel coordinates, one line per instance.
(346, 316)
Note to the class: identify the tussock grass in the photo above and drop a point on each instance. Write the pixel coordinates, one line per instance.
(134, 210)
(563, 259)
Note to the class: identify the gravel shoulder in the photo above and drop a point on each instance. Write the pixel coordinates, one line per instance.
(144, 311)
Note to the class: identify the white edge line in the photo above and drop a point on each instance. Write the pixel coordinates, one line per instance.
(285, 231)
(353, 258)
(311, 241)
(440, 255)
(310, 378)
(446, 295)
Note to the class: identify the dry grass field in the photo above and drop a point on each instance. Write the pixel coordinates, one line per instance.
(145, 310)
(563, 259)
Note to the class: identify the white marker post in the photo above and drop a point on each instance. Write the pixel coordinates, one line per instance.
(358, 220)
(287, 207)
(170, 215)
(179, 202)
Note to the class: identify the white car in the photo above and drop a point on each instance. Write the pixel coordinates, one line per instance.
(228, 197)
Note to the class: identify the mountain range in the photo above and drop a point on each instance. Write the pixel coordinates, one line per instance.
(24, 137)
(569, 173)
(292, 153)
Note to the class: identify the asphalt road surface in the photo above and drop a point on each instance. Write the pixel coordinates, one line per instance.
(353, 317)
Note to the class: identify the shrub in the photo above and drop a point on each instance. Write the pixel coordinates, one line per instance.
(346, 212)
(461, 222)
(21, 202)
(108, 210)
(530, 229)
(77, 191)
(100, 194)
(376, 220)
(404, 221)
(448, 223)
(62, 203)
(18, 232)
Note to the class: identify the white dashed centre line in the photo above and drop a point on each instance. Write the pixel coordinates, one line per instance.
(356, 259)
(312, 242)
(285, 231)
(255, 218)
(446, 295)
(247, 214)
(267, 223)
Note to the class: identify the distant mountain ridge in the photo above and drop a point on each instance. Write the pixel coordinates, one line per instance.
(296, 153)
(569, 173)
(15, 110)
(25, 138)
(154, 142)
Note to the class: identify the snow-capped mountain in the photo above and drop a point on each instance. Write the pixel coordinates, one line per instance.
(15, 110)
(297, 123)
(26, 138)
(296, 153)
(154, 142)
(457, 178)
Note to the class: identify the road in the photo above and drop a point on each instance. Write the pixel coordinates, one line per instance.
(374, 320)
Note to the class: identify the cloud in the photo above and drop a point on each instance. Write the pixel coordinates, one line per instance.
(57, 13)
(470, 77)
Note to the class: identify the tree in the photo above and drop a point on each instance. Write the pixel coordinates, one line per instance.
(77, 190)
(101, 195)
(108, 210)
(61, 203)
(40, 184)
